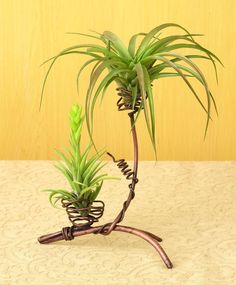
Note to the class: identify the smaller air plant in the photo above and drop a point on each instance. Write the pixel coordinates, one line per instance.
(81, 171)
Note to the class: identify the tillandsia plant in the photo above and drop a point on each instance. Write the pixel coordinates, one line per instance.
(134, 68)
(81, 171)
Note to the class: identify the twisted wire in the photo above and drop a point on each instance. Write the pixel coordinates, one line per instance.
(130, 175)
(124, 167)
(125, 100)
(67, 233)
(83, 217)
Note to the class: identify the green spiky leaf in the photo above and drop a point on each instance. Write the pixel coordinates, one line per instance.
(136, 67)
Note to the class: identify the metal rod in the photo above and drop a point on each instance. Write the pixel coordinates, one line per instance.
(131, 195)
(150, 238)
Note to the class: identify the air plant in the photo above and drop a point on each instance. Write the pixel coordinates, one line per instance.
(135, 68)
(81, 171)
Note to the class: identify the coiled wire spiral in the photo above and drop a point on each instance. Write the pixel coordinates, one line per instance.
(124, 168)
(83, 217)
(125, 101)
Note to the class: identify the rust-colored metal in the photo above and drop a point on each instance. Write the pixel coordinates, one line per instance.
(125, 101)
(149, 237)
(83, 217)
(123, 165)
(68, 233)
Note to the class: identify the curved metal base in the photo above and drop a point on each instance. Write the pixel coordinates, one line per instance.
(68, 233)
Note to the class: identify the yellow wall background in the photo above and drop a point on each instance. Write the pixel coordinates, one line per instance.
(34, 30)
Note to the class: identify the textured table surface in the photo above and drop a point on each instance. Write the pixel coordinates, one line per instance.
(191, 205)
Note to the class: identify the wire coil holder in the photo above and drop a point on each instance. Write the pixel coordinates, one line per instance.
(83, 217)
(125, 102)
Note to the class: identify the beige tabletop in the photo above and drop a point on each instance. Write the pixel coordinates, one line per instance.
(191, 205)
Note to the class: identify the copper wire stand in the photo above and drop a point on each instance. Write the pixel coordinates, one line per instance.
(69, 233)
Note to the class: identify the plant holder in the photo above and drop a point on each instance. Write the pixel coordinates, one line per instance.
(82, 219)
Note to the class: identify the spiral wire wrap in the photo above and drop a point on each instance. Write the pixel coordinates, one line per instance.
(125, 100)
(83, 217)
(124, 168)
